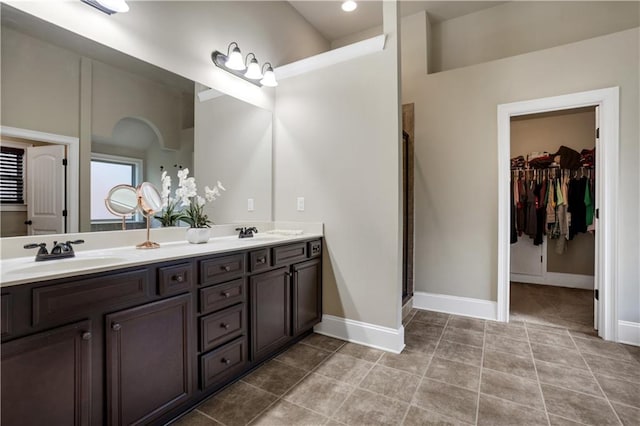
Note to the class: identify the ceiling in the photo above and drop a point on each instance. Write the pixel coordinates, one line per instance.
(329, 19)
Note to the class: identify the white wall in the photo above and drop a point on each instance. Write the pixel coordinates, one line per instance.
(233, 141)
(456, 186)
(337, 145)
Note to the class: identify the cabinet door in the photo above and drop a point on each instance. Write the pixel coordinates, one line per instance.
(270, 312)
(46, 377)
(307, 295)
(148, 360)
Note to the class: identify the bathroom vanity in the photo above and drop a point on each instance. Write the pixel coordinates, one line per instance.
(142, 342)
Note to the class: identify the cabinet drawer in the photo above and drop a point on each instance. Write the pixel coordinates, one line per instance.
(221, 269)
(315, 248)
(82, 297)
(6, 314)
(224, 362)
(222, 326)
(289, 254)
(174, 279)
(259, 260)
(222, 295)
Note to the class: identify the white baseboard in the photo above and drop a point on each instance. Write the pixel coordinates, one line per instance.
(629, 332)
(362, 333)
(556, 279)
(465, 306)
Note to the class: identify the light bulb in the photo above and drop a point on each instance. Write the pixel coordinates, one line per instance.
(253, 71)
(234, 61)
(269, 78)
(119, 6)
(349, 6)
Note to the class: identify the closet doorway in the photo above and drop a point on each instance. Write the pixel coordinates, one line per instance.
(407, 201)
(605, 193)
(552, 221)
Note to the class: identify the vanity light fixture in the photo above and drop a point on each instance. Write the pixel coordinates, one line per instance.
(349, 6)
(109, 6)
(232, 63)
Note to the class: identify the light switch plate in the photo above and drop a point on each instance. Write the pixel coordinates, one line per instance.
(300, 204)
(250, 205)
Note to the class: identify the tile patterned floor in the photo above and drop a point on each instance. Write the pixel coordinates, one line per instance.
(454, 371)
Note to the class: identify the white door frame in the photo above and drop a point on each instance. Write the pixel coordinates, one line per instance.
(73, 166)
(606, 198)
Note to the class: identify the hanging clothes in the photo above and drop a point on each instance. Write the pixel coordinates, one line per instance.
(531, 217)
(577, 207)
(521, 206)
(514, 230)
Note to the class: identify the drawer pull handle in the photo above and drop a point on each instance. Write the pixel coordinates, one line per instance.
(116, 326)
(86, 335)
(224, 325)
(178, 278)
(226, 294)
(262, 260)
(225, 361)
(226, 268)
(287, 274)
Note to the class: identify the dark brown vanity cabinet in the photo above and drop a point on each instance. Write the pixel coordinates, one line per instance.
(307, 295)
(148, 357)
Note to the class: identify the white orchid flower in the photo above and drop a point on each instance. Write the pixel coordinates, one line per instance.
(219, 185)
(210, 194)
(200, 201)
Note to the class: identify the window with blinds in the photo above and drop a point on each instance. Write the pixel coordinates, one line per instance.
(11, 175)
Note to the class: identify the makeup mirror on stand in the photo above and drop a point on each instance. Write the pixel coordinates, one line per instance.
(122, 201)
(150, 202)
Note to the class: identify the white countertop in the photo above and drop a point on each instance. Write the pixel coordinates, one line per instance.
(21, 270)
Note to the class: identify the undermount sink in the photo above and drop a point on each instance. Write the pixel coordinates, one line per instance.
(263, 238)
(65, 264)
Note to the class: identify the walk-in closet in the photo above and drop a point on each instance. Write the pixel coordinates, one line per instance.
(553, 215)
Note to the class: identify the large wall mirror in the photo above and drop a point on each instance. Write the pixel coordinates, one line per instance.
(124, 120)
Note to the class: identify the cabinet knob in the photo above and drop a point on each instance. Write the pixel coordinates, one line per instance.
(262, 260)
(224, 325)
(226, 268)
(225, 361)
(86, 335)
(226, 294)
(116, 326)
(178, 278)
(287, 274)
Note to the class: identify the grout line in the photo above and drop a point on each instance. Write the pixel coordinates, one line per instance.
(533, 359)
(484, 339)
(208, 416)
(597, 382)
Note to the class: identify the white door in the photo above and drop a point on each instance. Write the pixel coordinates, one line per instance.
(46, 189)
(596, 315)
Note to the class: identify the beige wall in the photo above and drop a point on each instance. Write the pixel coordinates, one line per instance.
(456, 185)
(547, 132)
(337, 145)
(12, 224)
(518, 27)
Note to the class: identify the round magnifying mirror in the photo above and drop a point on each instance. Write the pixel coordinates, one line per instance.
(122, 200)
(150, 199)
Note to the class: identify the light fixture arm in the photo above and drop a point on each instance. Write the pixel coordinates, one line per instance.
(229, 48)
(246, 60)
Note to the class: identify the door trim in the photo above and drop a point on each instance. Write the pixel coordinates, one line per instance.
(73, 169)
(606, 172)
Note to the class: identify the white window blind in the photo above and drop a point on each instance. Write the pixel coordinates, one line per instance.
(11, 175)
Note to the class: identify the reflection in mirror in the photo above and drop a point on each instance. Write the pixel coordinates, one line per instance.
(122, 201)
(150, 202)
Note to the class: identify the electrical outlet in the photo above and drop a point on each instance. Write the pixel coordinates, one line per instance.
(300, 204)
(250, 205)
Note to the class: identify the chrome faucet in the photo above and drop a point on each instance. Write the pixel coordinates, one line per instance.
(60, 250)
(247, 232)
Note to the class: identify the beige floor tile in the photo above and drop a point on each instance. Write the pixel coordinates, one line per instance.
(512, 330)
(466, 323)
(423, 329)
(561, 421)
(634, 351)
(454, 373)
(319, 393)
(460, 335)
(629, 416)
(416, 343)
(237, 404)
(333, 422)
(555, 339)
(498, 412)
(458, 352)
(419, 417)
(570, 378)
(605, 349)
(577, 406)
(448, 400)
(547, 328)
(558, 355)
(391, 382)
(275, 377)
(285, 413)
(431, 317)
(499, 342)
(510, 363)
(620, 390)
(195, 418)
(411, 362)
(323, 342)
(613, 368)
(368, 408)
(345, 368)
(361, 352)
(512, 388)
(303, 356)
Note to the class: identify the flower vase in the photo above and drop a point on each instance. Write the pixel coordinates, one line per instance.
(198, 235)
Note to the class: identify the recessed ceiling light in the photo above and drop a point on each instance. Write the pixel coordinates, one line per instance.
(349, 6)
